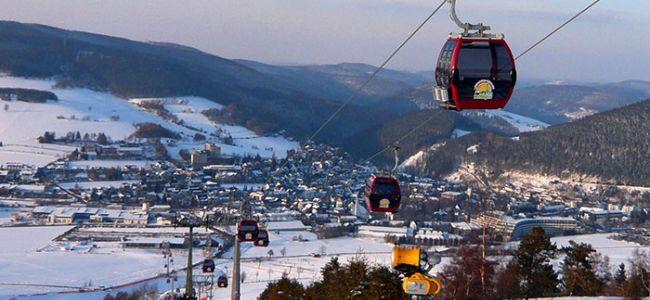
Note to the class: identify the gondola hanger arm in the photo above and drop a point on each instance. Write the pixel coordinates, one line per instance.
(467, 27)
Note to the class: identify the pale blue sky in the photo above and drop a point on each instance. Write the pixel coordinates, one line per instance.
(609, 43)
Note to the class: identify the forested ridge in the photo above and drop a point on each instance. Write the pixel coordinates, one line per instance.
(433, 126)
(612, 146)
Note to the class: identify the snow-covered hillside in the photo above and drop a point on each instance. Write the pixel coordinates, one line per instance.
(523, 124)
(89, 111)
(245, 142)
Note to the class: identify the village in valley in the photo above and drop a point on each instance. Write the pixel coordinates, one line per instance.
(194, 150)
(122, 197)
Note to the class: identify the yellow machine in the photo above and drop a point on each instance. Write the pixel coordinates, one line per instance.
(421, 285)
(412, 262)
(406, 259)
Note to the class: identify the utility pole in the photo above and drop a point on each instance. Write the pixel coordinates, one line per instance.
(235, 293)
(190, 221)
(189, 290)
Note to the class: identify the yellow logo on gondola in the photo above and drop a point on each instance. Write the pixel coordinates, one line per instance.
(483, 90)
(384, 203)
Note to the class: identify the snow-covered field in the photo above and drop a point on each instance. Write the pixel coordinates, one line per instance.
(96, 184)
(85, 164)
(617, 251)
(89, 111)
(110, 266)
(523, 124)
(25, 270)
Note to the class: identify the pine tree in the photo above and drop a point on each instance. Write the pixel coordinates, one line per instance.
(533, 259)
(620, 281)
(101, 139)
(579, 272)
(638, 284)
(285, 289)
(508, 282)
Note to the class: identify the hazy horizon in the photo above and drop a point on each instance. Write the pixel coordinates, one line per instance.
(293, 32)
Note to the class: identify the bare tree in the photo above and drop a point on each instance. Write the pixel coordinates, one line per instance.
(283, 251)
(6, 107)
(322, 250)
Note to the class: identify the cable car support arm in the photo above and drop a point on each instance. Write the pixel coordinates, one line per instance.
(466, 27)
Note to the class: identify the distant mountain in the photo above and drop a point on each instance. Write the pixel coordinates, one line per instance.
(608, 147)
(338, 82)
(562, 103)
(269, 99)
(386, 83)
(550, 103)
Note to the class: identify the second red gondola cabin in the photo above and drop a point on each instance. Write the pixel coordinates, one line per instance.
(262, 239)
(383, 194)
(247, 230)
(208, 266)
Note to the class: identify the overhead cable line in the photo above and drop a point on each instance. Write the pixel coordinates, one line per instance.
(557, 29)
(374, 74)
(365, 83)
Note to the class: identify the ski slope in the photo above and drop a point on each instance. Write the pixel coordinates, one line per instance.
(523, 124)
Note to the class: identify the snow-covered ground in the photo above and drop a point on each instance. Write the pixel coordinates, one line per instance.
(111, 266)
(96, 184)
(26, 270)
(523, 124)
(89, 111)
(617, 251)
(85, 164)
(246, 142)
(418, 158)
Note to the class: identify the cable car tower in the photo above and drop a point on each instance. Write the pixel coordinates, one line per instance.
(475, 69)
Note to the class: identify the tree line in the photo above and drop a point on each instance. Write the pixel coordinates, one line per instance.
(610, 146)
(529, 273)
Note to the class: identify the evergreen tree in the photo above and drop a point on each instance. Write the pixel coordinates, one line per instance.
(620, 281)
(101, 139)
(508, 282)
(283, 289)
(355, 280)
(533, 261)
(638, 284)
(579, 271)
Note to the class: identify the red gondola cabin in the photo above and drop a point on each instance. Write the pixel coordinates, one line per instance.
(475, 73)
(247, 231)
(383, 194)
(208, 266)
(222, 281)
(262, 239)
